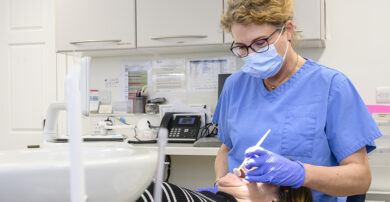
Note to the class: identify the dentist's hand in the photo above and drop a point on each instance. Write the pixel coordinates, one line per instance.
(271, 168)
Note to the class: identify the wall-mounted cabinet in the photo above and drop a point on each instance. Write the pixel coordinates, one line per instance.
(309, 18)
(178, 22)
(227, 37)
(85, 25)
(95, 24)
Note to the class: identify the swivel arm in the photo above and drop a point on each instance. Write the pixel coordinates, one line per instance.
(49, 129)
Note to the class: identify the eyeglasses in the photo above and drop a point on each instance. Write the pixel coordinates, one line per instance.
(257, 46)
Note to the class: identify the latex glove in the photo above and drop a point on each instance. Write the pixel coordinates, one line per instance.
(210, 189)
(272, 168)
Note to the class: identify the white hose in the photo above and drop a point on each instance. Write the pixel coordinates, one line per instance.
(162, 140)
(73, 105)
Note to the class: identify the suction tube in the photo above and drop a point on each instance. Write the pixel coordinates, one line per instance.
(162, 140)
(77, 179)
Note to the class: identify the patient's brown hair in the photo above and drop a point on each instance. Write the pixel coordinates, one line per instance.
(288, 194)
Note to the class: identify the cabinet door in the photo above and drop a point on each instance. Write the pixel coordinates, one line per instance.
(95, 24)
(228, 38)
(178, 22)
(308, 19)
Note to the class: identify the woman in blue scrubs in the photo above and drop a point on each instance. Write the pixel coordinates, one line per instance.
(321, 130)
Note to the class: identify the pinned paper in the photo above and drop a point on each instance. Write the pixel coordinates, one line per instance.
(169, 75)
(203, 74)
(134, 76)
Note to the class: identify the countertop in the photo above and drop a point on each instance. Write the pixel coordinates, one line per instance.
(183, 149)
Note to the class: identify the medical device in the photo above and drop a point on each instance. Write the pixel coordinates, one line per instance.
(182, 127)
(240, 171)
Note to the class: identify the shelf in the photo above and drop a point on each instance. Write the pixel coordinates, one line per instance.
(125, 115)
(183, 149)
(151, 50)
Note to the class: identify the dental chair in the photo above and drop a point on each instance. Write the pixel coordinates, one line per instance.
(356, 198)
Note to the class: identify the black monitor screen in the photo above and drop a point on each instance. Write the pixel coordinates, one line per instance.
(221, 81)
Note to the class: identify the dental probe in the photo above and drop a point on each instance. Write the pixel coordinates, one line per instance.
(240, 172)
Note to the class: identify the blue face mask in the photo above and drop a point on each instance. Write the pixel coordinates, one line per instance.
(266, 64)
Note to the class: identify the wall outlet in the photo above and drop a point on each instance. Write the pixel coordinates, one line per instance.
(383, 95)
(383, 122)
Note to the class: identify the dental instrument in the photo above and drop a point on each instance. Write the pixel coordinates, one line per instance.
(240, 172)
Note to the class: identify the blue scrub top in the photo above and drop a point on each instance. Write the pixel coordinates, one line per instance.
(316, 117)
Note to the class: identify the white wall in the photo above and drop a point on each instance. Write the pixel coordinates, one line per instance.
(358, 44)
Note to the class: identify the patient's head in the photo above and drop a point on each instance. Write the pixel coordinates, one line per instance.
(261, 192)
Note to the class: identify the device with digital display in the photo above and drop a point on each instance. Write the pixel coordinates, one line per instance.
(182, 128)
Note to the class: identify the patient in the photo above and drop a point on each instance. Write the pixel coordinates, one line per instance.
(232, 188)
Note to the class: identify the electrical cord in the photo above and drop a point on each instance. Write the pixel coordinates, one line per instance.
(138, 141)
(150, 125)
(123, 121)
(168, 162)
(209, 130)
(214, 132)
(109, 123)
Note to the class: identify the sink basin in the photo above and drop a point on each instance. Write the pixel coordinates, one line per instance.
(112, 173)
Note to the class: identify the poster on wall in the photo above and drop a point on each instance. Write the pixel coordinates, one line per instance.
(168, 75)
(134, 76)
(203, 74)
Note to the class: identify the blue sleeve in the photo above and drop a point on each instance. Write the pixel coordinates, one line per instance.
(220, 116)
(349, 124)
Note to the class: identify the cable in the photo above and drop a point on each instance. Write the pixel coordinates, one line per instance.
(209, 130)
(214, 132)
(169, 162)
(150, 125)
(123, 121)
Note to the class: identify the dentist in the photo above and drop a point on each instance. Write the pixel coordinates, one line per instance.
(321, 130)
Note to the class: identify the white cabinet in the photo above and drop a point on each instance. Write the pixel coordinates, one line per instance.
(178, 22)
(309, 18)
(95, 24)
(227, 37)
(83, 25)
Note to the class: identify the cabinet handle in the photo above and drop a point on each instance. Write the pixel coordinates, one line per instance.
(94, 41)
(180, 37)
(298, 31)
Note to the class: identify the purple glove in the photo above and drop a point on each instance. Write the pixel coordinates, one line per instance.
(273, 169)
(210, 189)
